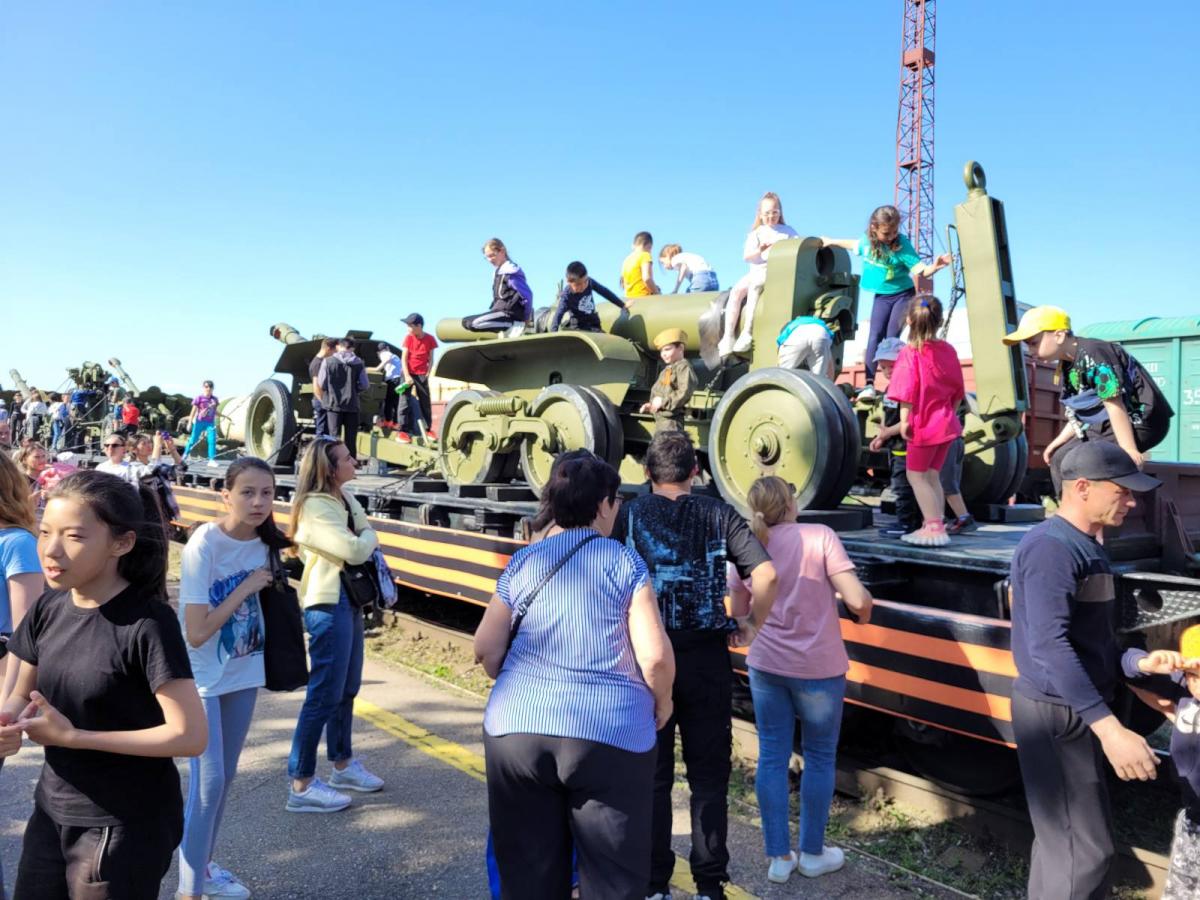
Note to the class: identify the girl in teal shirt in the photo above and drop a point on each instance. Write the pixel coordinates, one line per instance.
(889, 264)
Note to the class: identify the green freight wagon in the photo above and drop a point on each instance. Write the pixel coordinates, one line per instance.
(1170, 351)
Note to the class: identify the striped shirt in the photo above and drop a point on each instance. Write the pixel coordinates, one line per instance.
(571, 671)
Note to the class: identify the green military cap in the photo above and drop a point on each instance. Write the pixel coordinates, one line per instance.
(670, 336)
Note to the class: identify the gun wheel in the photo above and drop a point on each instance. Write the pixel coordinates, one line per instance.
(270, 423)
(576, 421)
(787, 423)
(463, 453)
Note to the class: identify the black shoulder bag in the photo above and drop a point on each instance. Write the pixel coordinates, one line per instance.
(523, 608)
(360, 580)
(284, 658)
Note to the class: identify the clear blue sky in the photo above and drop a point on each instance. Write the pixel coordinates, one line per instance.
(177, 177)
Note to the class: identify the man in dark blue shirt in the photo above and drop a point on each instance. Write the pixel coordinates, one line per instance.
(1068, 664)
(685, 541)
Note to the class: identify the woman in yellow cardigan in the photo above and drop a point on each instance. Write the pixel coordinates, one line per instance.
(322, 513)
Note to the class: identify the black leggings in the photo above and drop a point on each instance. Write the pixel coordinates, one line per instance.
(542, 791)
(1147, 436)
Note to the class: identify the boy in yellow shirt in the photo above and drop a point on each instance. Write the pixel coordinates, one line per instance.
(637, 272)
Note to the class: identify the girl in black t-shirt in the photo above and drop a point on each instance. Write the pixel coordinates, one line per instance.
(106, 687)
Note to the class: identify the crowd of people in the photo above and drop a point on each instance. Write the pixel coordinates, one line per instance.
(608, 635)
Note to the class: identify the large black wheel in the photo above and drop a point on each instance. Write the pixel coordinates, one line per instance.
(851, 440)
(271, 424)
(781, 422)
(575, 420)
(615, 438)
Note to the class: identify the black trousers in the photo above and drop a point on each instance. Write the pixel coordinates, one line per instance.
(703, 696)
(545, 792)
(908, 514)
(345, 425)
(116, 862)
(320, 418)
(492, 320)
(391, 400)
(420, 387)
(1065, 776)
(1146, 436)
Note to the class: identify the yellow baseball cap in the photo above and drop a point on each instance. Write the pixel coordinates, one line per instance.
(1037, 320)
(670, 336)
(1189, 642)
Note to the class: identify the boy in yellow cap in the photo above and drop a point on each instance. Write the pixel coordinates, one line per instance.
(1106, 394)
(1183, 690)
(675, 385)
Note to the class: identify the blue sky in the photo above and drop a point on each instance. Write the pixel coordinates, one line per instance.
(177, 177)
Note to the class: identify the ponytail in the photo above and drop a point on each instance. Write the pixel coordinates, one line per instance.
(758, 525)
(124, 509)
(769, 499)
(924, 319)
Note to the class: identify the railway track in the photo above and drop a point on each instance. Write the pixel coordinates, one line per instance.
(861, 774)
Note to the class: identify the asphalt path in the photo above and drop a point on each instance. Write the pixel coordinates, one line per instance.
(424, 834)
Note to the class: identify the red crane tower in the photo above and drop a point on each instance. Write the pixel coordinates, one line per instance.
(914, 127)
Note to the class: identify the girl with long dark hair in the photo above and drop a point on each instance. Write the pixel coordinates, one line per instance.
(106, 687)
(225, 564)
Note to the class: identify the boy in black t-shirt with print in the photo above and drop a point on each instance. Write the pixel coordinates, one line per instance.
(1107, 395)
(576, 308)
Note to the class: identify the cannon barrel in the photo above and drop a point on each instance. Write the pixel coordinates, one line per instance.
(126, 381)
(649, 316)
(19, 383)
(286, 334)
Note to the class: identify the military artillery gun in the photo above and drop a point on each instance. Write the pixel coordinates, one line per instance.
(548, 393)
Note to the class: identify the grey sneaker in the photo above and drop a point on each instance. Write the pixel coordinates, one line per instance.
(222, 883)
(319, 798)
(355, 778)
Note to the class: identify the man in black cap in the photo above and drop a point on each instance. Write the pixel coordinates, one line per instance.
(1068, 664)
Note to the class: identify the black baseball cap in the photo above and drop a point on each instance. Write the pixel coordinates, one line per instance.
(414, 319)
(1104, 461)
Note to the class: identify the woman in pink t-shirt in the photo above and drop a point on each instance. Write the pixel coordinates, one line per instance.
(798, 667)
(927, 382)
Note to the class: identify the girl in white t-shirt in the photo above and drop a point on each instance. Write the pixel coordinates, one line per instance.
(225, 565)
(691, 267)
(769, 228)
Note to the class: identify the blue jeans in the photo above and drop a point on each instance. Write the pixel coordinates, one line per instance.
(335, 663)
(57, 426)
(212, 774)
(703, 281)
(199, 429)
(778, 701)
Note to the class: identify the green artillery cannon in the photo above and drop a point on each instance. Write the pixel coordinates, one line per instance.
(276, 418)
(548, 393)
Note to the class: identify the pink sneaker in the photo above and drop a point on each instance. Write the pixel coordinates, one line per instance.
(931, 534)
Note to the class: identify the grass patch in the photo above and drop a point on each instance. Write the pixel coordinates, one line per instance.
(425, 650)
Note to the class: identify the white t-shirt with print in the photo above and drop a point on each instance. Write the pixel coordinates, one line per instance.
(214, 564)
(765, 235)
(391, 365)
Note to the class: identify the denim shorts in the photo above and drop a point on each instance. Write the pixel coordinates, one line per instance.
(703, 281)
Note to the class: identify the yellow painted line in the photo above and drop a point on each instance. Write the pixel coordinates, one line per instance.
(459, 757)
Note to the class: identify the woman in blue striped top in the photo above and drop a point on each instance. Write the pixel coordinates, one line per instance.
(569, 731)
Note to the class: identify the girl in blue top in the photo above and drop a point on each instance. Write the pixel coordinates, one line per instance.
(889, 265)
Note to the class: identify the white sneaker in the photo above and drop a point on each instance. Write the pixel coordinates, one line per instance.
(220, 882)
(829, 860)
(724, 349)
(743, 343)
(318, 798)
(355, 778)
(868, 393)
(781, 869)
(213, 463)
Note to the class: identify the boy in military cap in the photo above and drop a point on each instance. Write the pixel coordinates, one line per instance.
(675, 385)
